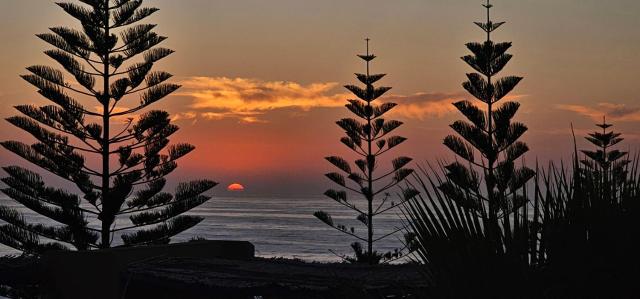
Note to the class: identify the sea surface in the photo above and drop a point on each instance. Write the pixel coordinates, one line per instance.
(278, 227)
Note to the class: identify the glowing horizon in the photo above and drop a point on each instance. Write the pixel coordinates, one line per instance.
(262, 82)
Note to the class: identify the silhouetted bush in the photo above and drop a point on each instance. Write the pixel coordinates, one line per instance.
(493, 233)
(576, 238)
(593, 223)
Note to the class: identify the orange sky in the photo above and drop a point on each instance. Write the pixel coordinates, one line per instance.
(262, 78)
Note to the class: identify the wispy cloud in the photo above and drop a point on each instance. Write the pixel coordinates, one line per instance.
(187, 115)
(247, 100)
(243, 117)
(242, 95)
(424, 105)
(613, 111)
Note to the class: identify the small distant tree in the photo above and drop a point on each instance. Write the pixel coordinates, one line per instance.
(606, 165)
(108, 61)
(369, 137)
(490, 132)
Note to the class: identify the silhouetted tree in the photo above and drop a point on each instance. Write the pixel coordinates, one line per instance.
(490, 132)
(606, 164)
(109, 61)
(473, 228)
(369, 138)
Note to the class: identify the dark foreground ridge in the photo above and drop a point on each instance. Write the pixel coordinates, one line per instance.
(269, 278)
(205, 269)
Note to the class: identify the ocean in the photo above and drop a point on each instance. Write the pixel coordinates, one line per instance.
(278, 227)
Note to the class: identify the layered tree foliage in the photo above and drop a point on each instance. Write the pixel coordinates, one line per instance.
(477, 227)
(98, 134)
(606, 164)
(488, 141)
(369, 136)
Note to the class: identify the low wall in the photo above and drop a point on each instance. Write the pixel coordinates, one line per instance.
(98, 274)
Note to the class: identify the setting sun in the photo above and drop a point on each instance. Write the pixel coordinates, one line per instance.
(235, 187)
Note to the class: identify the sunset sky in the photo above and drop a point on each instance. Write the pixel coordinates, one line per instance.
(262, 79)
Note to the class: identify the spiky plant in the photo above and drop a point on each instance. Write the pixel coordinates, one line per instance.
(488, 142)
(369, 137)
(117, 168)
(460, 258)
(591, 222)
(572, 244)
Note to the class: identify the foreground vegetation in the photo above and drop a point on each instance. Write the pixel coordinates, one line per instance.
(494, 233)
(573, 237)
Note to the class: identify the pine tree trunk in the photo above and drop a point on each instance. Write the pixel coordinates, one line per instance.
(370, 202)
(493, 229)
(490, 178)
(370, 181)
(370, 164)
(106, 219)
